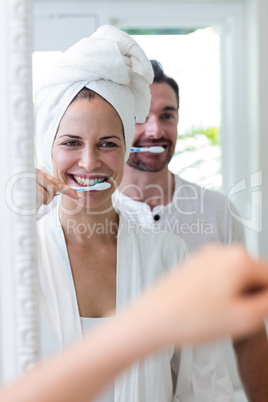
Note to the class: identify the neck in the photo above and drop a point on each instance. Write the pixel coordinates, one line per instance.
(89, 227)
(153, 188)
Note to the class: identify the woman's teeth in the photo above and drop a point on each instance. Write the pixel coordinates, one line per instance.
(88, 182)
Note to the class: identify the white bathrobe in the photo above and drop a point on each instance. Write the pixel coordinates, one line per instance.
(192, 375)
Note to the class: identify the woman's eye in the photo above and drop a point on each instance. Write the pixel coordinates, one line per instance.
(72, 143)
(108, 144)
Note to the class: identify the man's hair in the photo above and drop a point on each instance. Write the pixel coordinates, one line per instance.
(160, 76)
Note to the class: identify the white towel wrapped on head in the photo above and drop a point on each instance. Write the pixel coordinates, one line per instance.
(110, 63)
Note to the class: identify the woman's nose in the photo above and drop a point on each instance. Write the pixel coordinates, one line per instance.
(153, 128)
(89, 159)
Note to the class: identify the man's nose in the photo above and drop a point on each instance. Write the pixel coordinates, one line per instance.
(153, 127)
(89, 159)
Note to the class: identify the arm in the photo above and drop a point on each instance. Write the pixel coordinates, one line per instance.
(209, 296)
(252, 360)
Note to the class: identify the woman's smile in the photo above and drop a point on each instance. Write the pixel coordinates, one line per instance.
(88, 180)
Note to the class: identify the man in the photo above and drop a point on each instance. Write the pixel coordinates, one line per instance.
(151, 195)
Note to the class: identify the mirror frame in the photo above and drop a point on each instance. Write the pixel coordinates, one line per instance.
(18, 293)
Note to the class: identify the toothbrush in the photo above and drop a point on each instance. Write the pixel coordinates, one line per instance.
(96, 187)
(153, 150)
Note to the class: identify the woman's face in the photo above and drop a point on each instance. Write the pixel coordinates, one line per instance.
(89, 147)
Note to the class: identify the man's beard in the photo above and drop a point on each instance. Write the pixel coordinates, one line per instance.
(156, 165)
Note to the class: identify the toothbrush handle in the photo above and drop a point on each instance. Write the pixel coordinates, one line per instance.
(135, 150)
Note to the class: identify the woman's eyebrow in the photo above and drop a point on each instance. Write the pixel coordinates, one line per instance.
(110, 136)
(71, 136)
(77, 137)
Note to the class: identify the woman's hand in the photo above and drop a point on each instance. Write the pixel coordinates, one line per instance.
(48, 187)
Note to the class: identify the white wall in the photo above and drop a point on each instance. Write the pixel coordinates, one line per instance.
(257, 117)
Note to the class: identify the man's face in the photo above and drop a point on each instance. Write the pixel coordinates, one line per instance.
(160, 129)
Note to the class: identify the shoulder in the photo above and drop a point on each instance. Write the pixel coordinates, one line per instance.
(195, 191)
(210, 206)
(195, 198)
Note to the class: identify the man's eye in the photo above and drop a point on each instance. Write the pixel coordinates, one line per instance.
(167, 116)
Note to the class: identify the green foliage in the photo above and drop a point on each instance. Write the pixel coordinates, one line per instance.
(211, 133)
(158, 31)
(199, 156)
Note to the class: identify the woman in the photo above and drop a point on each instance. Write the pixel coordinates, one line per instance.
(91, 260)
(232, 293)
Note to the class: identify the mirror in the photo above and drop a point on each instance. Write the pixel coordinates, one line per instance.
(19, 323)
